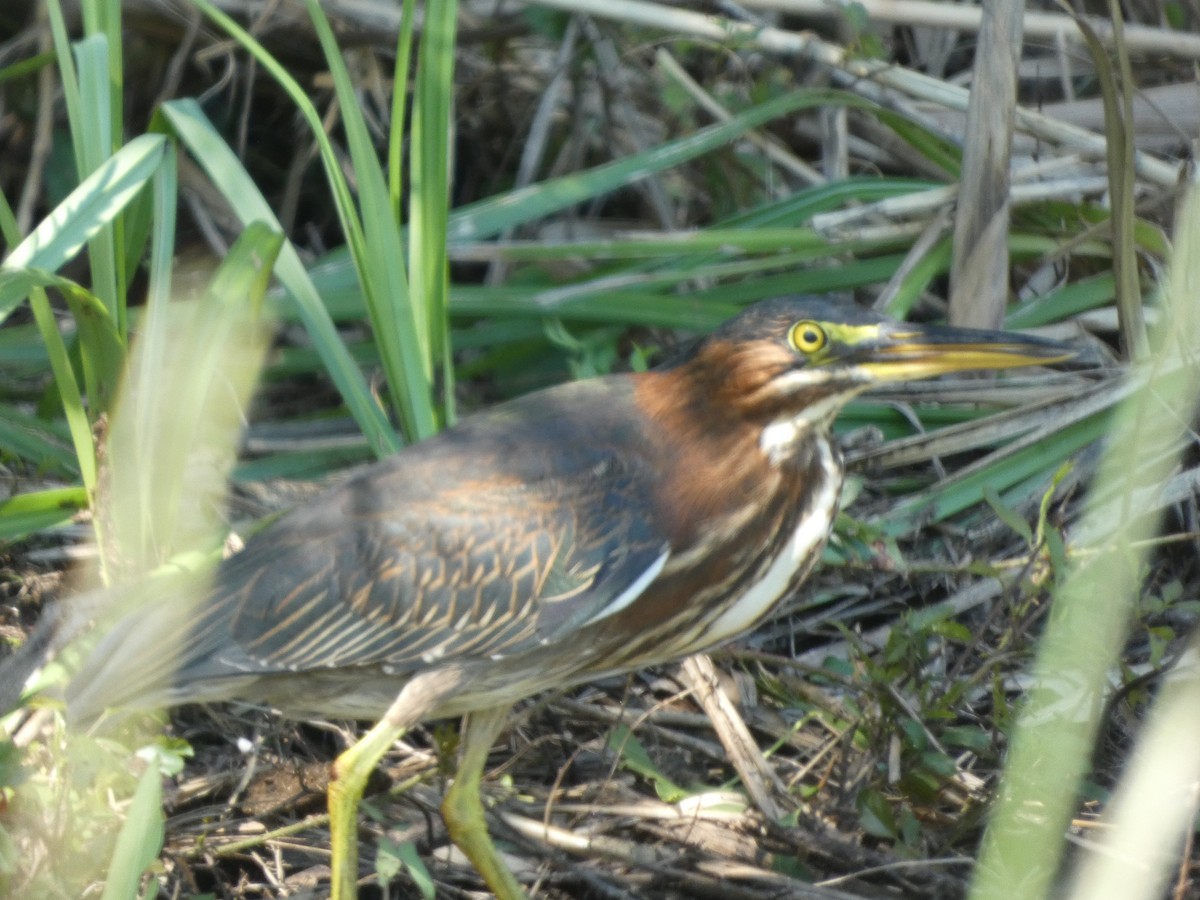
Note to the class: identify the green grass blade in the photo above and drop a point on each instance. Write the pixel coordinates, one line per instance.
(958, 494)
(1053, 745)
(429, 184)
(40, 442)
(15, 285)
(491, 217)
(101, 349)
(139, 840)
(188, 121)
(396, 134)
(27, 514)
(68, 77)
(400, 325)
(175, 401)
(95, 203)
(152, 339)
(105, 256)
(103, 17)
(25, 67)
(1061, 304)
(68, 389)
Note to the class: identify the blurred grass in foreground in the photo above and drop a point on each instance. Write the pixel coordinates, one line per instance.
(1052, 748)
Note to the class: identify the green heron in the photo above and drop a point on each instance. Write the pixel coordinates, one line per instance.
(581, 531)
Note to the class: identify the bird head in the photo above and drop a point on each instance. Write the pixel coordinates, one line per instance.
(805, 357)
(785, 368)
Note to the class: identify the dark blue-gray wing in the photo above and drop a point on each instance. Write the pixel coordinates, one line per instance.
(377, 573)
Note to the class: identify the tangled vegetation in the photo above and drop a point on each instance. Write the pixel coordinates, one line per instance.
(382, 216)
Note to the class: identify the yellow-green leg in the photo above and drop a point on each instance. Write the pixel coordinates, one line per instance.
(350, 774)
(462, 807)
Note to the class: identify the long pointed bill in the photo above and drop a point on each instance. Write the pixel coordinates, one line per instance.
(908, 352)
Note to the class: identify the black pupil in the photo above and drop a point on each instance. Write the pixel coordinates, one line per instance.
(811, 336)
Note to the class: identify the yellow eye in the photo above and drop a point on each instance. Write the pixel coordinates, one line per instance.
(807, 337)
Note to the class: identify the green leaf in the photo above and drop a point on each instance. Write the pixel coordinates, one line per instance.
(94, 127)
(954, 631)
(101, 347)
(1008, 515)
(1065, 302)
(24, 67)
(429, 181)
(490, 217)
(635, 758)
(938, 763)
(95, 203)
(959, 492)
(171, 755)
(43, 443)
(923, 619)
(392, 857)
(193, 128)
(875, 814)
(968, 737)
(140, 838)
(25, 514)
(403, 321)
(193, 368)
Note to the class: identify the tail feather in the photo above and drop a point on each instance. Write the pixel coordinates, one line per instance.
(147, 631)
(17, 669)
(133, 665)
